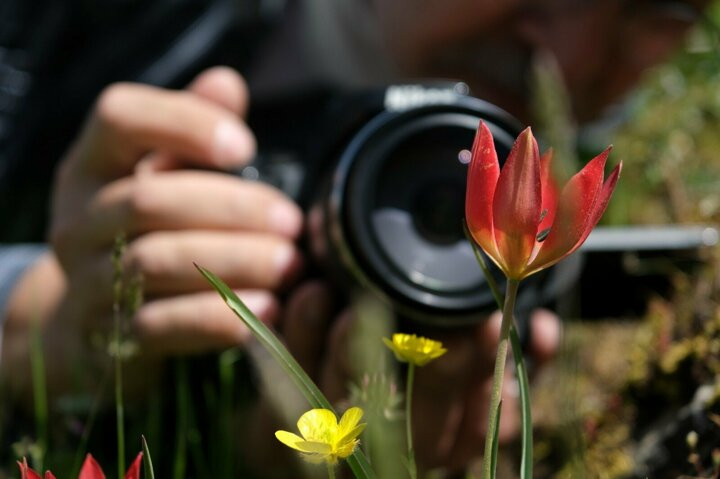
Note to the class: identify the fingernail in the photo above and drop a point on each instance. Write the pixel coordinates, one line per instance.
(234, 144)
(286, 219)
(258, 302)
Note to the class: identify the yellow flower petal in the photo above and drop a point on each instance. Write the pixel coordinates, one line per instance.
(289, 439)
(314, 447)
(414, 349)
(351, 434)
(349, 420)
(318, 425)
(346, 449)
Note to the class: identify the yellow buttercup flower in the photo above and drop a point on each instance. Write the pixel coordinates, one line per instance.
(323, 438)
(414, 349)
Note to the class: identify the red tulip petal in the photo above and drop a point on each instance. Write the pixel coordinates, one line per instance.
(601, 203)
(575, 212)
(91, 469)
(549, 193)
(517, 203)
(133, 471)
(26, 472)
(482, 177)
(49, 475)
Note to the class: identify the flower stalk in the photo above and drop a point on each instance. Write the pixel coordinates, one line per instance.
(520, 368)
(412, 467)
(496, 392)
(416, 351)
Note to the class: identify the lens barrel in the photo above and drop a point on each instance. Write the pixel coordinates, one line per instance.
(393, 212)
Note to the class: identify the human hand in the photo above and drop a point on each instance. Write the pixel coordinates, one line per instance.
(127, 173)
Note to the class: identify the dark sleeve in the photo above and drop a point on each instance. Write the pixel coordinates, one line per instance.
(56, 58)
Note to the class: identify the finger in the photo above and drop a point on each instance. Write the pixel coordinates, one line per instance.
(546, 330)
(181, 200)
(165, 260)
(130, 119)
(305, 324)
(224, 87)
(198, 322)
(242, 260)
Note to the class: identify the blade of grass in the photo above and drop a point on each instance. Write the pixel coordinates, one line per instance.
(222, 438)
(153, 422)
(147, 460)
(181, 395)
(81, 449)
(117, 253)
(194, 437)
(357, 462)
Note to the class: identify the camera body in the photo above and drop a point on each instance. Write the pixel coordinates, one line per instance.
(382, 178)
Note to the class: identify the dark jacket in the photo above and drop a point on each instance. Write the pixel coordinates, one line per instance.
(56, 57)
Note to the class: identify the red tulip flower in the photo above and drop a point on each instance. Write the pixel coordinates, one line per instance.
(27, 473)
(90, 470)
(519, 216)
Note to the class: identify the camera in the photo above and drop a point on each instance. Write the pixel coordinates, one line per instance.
(382, 176)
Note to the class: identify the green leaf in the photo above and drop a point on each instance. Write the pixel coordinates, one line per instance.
(493, 458)
(357, 462)
(526, 461)
(147, 460)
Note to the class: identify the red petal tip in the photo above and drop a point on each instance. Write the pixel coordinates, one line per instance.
(91, 469)
(133, 471)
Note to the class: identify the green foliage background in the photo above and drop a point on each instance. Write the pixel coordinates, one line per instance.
(670, 143)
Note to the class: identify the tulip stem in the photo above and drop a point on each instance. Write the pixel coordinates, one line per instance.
(331, 471)
(488, 471)
(412, 467)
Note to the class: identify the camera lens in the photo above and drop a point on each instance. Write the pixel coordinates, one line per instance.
(398, 200)
(416, 208)
(434, 210)
(424, 178)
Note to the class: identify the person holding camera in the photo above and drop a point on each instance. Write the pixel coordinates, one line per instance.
(150, 161)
